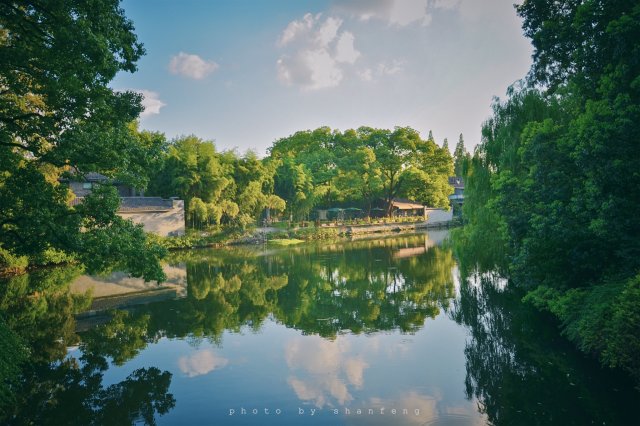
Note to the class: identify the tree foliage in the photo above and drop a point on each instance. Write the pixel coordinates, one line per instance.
(557, 172)
(58, 116)
(324, 168)
(218, 187)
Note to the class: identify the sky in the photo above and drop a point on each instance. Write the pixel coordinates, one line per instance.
(244, 73)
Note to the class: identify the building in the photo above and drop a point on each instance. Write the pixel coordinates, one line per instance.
(164, 217)
(457, 198)
(83, 187)
(402, 207)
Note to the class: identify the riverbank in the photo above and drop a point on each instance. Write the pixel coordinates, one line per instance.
(331, 232)
(261, 235)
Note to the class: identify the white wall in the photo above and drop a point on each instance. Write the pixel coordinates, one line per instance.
(167, 223)
(439, 215)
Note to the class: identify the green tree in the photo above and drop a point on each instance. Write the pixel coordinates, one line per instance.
(426, 177)
(393, 151)
(58, 115)
(559, 173)
(460, 155)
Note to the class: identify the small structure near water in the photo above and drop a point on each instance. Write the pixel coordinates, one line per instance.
(402, 207)
(164, 217)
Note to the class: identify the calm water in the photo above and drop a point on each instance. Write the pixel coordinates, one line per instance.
(386, 331)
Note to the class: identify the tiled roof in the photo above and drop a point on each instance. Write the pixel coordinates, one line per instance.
(137, 204)
(404, 204)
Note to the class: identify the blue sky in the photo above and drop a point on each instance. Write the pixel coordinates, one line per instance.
(247, 72)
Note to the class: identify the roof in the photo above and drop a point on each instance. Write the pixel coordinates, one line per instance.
(404, 204)
(456, 182)
(140, 204)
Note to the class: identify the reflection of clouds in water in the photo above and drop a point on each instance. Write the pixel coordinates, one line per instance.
(201, 362)
(354, 369)
(431, 411)
(319, 391)
(328, 369)
(399, 349)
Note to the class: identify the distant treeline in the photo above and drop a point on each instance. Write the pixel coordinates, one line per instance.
(320, 168)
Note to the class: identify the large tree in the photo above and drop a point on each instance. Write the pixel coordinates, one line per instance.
(59, 116)
(326, 168)
(393, 151)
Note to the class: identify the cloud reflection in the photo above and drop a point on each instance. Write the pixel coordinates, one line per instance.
(421, 409)
(324, 370)
(201, 362)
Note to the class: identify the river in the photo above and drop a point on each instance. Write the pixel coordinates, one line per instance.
(372, 332)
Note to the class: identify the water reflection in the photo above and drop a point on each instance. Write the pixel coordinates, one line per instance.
(519, 368)
(54, 389)
(323, 371)
(325, 290)
(342, 327)
(201, 362)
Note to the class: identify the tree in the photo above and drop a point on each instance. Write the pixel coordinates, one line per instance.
(294, 185)
(359, 179)
(460, 155)
(393, 151)
(315, 151)
(58, 116)
(426, 177)
(558, 166)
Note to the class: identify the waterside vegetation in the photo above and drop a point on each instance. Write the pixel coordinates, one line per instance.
(553, 189)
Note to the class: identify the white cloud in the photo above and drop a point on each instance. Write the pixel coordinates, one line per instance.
(345, 51)
(394, 12)
(366, 74)
(328, 31)
(201, 362)
(316, 53)
(364, 9)
(399, 13)
(445, 4)
(150, 102)
(297, 29)
(405, 12)
(395, 67)
(324, 69)
(191, 66)
(381, 70)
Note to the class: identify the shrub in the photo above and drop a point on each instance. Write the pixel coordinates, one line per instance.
(12, 263)
(603, 320)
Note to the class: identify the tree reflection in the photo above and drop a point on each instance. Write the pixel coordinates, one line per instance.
(359, 287)
(325, 290)
(39, 308)
(519, 368)
(52, 388)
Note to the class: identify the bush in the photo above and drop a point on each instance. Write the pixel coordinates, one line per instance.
(309, 234)
(193, 239)
(12, 263)
(603, 320)
(280, 235)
